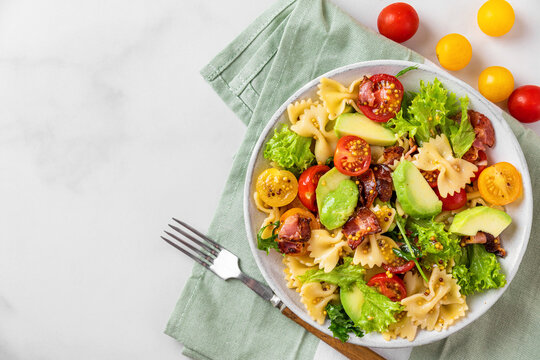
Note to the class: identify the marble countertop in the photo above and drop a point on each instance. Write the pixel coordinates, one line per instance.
(105, 128)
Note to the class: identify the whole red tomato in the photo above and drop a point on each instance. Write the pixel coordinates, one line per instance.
(524, 103)
(398, 22)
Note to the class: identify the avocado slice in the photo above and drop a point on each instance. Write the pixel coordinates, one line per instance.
(480, 218)
(352, 300)
(414, 194)
(359, 125)
(328, 182)
(339, 204)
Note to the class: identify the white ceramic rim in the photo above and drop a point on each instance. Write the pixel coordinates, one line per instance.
(398, 343)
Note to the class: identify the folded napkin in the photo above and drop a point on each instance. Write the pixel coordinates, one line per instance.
(290, 44)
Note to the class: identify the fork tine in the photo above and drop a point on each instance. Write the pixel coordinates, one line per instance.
(207, 256)
(190, 237)
(187, 253)
(216, 245)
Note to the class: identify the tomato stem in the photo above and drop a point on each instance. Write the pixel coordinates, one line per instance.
(402, 230)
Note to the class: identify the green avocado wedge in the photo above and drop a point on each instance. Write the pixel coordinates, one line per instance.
(352, 300)
(359, 125)
(413, 192)
(339, 204)
(328, 182)
(480, 218)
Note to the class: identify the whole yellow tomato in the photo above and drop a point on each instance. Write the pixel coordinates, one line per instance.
(496, 17)
(454, 51)
(496, 83)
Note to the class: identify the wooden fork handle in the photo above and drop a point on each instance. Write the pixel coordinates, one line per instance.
(351, 351)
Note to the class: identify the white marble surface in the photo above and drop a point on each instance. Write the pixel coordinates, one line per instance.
(105, 130)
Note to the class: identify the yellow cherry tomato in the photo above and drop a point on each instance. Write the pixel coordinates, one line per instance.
(500, 184)
(496, 17)
(276, 187)
(496, 83)
(454, 51)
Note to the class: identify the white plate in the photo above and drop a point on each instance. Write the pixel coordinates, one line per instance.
(506, 148)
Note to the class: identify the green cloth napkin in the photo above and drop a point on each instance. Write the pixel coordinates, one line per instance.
(290, 44)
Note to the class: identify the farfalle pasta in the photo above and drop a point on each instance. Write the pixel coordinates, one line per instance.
(374, 207)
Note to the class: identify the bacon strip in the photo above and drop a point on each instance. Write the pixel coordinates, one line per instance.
(392, 154)
(383, 177)
(366, 96)
(492, 244)
(363, 222)
(485, 134)
(369, 187)
(294, 234)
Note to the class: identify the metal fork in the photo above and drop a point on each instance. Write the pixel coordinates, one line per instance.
(224, 264)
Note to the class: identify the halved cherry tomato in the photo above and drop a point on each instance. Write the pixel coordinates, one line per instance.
(314, 224)
(391, 287)
(431, 177)
(307, 184)
(380, 97)
(352, 156)
(481, 163)
(277, 187)
(399, 266)
(453, 202)
(500, 184)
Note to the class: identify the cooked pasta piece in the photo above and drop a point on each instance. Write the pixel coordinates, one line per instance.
(385, 216)
(440, 306)
(295, 110)
(414, 283)
(273, 214)
(374, 251)
(403, 328)
(293, 269)
(315, 296)
(326, 248)
(312, 123)
(436, 154)
(335, 96)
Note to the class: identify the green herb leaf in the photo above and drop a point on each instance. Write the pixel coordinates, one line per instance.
(431, 236)
(401, 225)
(343, 275)
(270, 242)
(340, 323)
(289, 150)
(406, 70)
(477, 270)
(378, 311)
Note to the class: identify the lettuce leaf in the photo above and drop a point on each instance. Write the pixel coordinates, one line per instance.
(477, 270)
(429, 114)
(344, 275)
(270, 242)
(289, 150)
(431, 233)
(340, 323)
(378, 311)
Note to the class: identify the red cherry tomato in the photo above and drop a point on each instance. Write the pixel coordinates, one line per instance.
(453, 202)
(524, 103)
(352, 156)
(398, 22)
(391, 287)
(399, 266)
(481, 163)
(307, 184)
(431, 177)
(379, 97)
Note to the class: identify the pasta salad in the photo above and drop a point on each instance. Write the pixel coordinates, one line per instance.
(385, 206)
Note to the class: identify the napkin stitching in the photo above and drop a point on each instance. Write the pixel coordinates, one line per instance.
(255, 72)
(242, 46)
(237, 96)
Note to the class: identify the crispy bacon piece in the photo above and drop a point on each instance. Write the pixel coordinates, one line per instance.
(292, 248)
(392, 154)
(471, 155)
(485, 135)
(492, 244)
(369, 185)
(295, 228)
(383, 178)
(363, 222)
(366, 96)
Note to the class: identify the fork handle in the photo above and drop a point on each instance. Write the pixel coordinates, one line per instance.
(351, 351)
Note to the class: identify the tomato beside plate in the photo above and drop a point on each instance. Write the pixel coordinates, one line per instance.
(352, 156)
(391, 287)
(379, 97)
(398, 21)
(307, 184)
(524, 103)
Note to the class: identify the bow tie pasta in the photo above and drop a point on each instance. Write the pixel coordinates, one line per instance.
(335, 96)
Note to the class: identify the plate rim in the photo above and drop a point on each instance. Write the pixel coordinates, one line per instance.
(395, 343)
